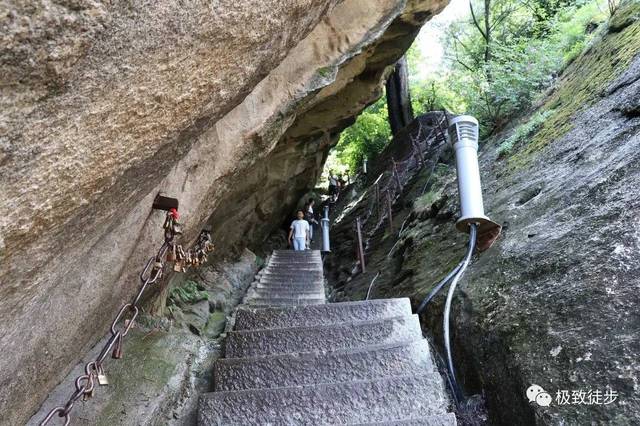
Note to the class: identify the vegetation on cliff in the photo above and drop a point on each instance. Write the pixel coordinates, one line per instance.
(499, 62)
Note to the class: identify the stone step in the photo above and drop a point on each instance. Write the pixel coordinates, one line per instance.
(292, 277)
(289, 286)
(285, 265)
(448, 419)
(284, 302)
(292, 253)
(332, 313)
(342, 403)
(301, 282)
(309, 274)
(280, 294)
(347, 335)
(294, 289)
(299, 276)
(296, 258)
(302, 291)
(367, 363)
(291, 268)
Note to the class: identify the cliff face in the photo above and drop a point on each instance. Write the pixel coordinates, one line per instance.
(554, 301)
(229, 106)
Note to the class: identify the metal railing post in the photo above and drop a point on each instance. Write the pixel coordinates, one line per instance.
(377, 195)
(389, 209)
(360, 245)
(395, 175)
(326, 247)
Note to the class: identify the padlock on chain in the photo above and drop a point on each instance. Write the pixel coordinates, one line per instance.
(171, 254)
(102, 377)
(117, 350)
(88, 395)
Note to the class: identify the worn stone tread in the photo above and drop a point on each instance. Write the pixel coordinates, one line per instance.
(342, 403)
(316, 338)
(316, 315)
(284, 301)
(301, 283)
(304, 277)
(448, 419)
(286, 294)
(289, 287)
(298, 369)
(292, 359)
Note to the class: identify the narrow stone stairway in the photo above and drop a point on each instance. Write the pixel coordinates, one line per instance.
(293, 359)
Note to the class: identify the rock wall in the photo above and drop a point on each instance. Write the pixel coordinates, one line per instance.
(554, 301)
(229, 106)
(168, 361)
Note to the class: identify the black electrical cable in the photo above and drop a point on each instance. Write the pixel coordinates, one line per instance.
(438, 287)
(473, 233)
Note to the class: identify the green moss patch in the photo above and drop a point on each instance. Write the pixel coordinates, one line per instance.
(187, 293)
(585, 80)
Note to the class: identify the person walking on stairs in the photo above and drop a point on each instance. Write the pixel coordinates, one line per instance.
(299, 232)
(333, 187)
(310, 217)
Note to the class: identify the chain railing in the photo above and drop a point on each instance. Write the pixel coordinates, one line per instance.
(153, 270)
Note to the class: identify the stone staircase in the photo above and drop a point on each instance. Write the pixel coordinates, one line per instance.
(293, 359)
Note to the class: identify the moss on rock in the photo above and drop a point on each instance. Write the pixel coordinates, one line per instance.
(586, 79)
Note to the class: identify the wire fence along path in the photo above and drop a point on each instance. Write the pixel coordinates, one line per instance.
(388, 186)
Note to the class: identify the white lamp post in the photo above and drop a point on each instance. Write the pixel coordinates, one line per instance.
(463, 131)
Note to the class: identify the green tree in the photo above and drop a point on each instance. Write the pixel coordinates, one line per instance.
(366, 137)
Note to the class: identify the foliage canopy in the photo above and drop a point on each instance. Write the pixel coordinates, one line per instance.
(498, 60)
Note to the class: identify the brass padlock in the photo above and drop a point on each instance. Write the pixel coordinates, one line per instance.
(177, 267)
(87, 395)
(171, 254)
(102, 377)
(103, 380)
(117, 350)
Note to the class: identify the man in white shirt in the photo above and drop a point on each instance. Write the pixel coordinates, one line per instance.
(299, 232)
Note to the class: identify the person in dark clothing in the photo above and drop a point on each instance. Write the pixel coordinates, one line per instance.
(333, 186)
(310, 216)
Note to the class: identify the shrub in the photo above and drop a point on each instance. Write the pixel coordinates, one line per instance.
(187, 293)
(523, 131)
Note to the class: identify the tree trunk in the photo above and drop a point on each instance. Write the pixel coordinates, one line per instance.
(398, 97)
(487, 30)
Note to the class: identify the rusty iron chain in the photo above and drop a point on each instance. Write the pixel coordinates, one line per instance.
(124, 320)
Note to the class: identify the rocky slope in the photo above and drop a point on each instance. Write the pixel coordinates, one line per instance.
(554, 301)
(229, 106)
